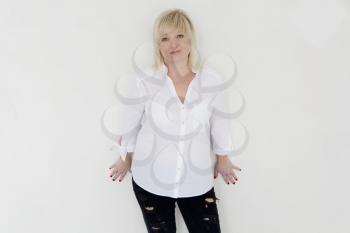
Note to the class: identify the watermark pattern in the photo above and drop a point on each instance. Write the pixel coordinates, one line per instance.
(151, 84)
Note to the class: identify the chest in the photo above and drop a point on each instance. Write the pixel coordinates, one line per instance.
(181, 90)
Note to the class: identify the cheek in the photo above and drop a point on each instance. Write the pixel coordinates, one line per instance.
(187, 42)
(186, 45)
(162, 51)
(164, 47)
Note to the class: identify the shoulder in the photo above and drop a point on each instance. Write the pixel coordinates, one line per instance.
(214, 84)
(130, 85)
(210, 77)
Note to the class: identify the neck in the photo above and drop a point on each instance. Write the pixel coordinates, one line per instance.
(179, 71)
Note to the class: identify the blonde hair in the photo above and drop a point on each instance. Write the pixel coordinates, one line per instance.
(174, 19)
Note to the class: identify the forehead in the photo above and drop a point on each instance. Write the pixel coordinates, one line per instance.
(172, 32)
(171, 29)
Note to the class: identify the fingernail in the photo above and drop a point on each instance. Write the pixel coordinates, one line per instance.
(120, 180)
(228, 183)
(113, 179)
(236, 179)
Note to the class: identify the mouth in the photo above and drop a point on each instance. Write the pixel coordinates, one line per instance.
(175, 51)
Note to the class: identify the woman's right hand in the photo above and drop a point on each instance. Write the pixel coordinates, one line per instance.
(120, 168)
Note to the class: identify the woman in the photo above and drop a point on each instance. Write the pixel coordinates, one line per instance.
(176, 133)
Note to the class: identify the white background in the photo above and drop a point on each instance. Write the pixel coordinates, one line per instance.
(59, 62)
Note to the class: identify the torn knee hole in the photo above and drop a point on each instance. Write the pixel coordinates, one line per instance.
(150, 208)
(155, 228)
(209, 200)
(157, 225)
(212, 218)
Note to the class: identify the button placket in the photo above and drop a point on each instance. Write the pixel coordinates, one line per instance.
(179, 165)
(182, 126)
(177, 178)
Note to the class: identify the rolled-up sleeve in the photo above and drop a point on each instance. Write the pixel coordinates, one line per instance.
(125, 144)
(220, 126)
(130, 117)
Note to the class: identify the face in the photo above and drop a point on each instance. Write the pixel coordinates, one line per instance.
(175, 46)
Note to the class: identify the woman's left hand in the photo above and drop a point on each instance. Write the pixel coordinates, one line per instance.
(225, 167)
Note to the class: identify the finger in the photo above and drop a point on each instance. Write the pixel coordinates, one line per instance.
(225, 178)
(116, 175)
(113, 172)
(234, 175)
(122, 173)
(122, 176)
(110, 167)
(236, 168)
(230, 178)
(215, 173)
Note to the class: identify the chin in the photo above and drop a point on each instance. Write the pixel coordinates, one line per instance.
(179, 59)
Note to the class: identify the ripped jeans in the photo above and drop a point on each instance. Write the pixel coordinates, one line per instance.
(200, 213)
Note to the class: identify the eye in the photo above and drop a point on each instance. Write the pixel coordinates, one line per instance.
(180, 35)
(164, 39)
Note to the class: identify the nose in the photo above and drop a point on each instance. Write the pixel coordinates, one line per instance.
(174, 43)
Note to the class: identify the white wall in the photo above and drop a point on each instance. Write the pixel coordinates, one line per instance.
(59, 62)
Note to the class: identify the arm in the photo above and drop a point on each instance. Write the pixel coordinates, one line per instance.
(223, 148)
(222, 141)
(131, 118)
(126, 145)
(129, 156)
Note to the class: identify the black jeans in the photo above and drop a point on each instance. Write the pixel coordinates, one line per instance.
(200, 213)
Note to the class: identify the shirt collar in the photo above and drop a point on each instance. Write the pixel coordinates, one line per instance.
(164, 72)
(164, 69)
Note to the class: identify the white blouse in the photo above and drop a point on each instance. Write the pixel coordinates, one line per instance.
(174, 144)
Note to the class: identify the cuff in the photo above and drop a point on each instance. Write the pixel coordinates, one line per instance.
(123, 150)
(223, 152)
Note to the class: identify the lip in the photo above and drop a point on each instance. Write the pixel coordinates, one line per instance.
(175, 51)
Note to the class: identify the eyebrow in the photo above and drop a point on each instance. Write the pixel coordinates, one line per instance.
(167, 34)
